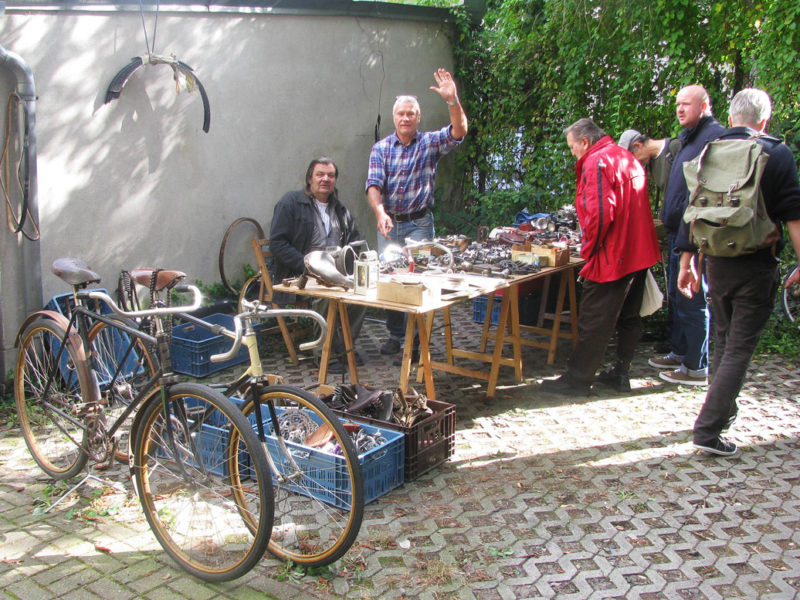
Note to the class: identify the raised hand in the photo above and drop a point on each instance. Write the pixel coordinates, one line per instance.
(446, 87)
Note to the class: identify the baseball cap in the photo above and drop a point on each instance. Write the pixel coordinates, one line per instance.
(627, 137)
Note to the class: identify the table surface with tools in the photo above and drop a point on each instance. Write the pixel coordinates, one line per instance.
(423, 295)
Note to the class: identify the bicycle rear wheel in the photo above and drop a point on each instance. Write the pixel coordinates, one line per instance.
(319, 494)
(203, 482)
(790, 298)
(123, 365)
(52, 398)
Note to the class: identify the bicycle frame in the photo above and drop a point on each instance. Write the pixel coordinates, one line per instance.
(80, 317)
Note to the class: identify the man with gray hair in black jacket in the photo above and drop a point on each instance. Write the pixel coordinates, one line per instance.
(742, 288)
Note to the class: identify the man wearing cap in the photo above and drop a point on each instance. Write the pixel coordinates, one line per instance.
(400, 179)
(655, 155)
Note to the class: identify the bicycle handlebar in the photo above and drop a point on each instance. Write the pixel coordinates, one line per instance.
(164, 310)
(259, 311)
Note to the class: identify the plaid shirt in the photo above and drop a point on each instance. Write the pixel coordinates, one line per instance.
(405, 174)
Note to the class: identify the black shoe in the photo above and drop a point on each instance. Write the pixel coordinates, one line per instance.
(616, 378)
(414, 358)
(719, 447)
(391, 346)
(565, 385)
(335, 366)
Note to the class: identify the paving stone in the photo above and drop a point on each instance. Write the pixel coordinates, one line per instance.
(544, 497)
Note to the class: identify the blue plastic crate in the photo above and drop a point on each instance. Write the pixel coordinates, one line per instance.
(479, 305)
(382, 467)
(121, 341)
(193, 346)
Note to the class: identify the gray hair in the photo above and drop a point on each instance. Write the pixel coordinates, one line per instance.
(585, 128)
(406, 98)
(750, 107)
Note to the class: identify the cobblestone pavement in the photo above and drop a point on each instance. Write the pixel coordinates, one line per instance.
(545, 497)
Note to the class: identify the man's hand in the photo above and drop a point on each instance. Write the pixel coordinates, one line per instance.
(446, 86)
(794, 278)
(385, 224)
(688, 278)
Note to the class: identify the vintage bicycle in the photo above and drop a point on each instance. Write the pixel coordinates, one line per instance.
(197, 466)
(317, 477)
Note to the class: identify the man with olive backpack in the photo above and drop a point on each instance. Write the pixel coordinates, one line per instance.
(738, 230)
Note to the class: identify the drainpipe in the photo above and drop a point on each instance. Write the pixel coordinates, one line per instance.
(20, 270)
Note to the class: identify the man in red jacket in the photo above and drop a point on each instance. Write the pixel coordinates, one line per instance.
(619, 244)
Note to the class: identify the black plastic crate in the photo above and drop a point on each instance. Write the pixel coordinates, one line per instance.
(429, 442)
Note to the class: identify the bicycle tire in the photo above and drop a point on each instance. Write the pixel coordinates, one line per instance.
(790, 298)
(112, 346)
(318, 513)
(207, 497)
(52, 426)
(224, 244)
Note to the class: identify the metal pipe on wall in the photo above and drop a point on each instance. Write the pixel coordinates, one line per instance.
(21, 273)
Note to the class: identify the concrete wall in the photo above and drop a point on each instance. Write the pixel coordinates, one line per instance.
(137, 182)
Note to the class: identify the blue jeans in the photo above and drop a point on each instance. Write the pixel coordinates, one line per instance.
(417, 230)
(691, 320)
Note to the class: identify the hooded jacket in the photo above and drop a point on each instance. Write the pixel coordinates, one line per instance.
(614, 213)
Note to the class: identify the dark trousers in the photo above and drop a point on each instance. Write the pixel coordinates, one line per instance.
(604, 308)
(742, 292)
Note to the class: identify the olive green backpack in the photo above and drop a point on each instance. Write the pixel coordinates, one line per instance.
(726, 212)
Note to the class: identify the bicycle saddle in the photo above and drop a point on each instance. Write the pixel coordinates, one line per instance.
(74, 271)
(163, 278)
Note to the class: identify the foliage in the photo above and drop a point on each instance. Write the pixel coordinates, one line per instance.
(535, 66)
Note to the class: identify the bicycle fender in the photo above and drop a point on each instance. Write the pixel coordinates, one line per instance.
(60, 319)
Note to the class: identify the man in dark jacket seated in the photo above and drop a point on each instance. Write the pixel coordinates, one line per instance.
(314, 219)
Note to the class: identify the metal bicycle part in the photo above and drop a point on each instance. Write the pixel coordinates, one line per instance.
(790, 297)
(122, 366)
(203, 481)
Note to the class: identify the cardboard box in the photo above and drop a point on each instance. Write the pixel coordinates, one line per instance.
(528, 258)
(555, 256)
(406, 290)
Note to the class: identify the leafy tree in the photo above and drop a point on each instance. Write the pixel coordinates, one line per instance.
(535, 66)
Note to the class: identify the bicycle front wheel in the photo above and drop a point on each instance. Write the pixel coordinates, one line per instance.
(49, 391)
(319, 494)
(790, 298)
(122, 365)
(203, 481)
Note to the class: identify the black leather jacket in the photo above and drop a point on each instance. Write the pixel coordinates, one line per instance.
(292, 230)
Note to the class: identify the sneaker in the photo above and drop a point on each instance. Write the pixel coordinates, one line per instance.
(565, 385)
(719, 447)
(391, 346)
(615, 378)
(683, 378)
(664, 362)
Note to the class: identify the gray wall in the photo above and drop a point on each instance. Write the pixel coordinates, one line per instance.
(137, 182)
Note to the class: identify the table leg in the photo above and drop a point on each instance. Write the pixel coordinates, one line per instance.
(498, 344)
(573, 307)
(326, 346)
(405, 363)
(425, 354)
(512, 295)
(562, 289)
(347, 336)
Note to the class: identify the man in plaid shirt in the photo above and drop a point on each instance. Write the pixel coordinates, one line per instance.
(400, 179)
